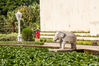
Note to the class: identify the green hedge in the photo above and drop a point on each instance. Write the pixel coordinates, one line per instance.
(44, 40)
(23, 42)
(27, 34)
(8, 37)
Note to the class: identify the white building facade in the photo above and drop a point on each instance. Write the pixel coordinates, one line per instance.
(69, 15)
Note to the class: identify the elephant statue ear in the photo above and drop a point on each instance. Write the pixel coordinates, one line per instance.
(62, 35)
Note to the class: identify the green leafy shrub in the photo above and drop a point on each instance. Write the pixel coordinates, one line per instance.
(8, 37)
(27, 34)
(43, 40)
(30, 56)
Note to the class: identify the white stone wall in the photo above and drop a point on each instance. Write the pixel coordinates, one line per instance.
(68, 15)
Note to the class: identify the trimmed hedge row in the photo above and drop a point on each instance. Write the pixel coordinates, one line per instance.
(23, 42)
(8, 37)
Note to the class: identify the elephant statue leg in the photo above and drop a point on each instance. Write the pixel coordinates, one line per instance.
(73, 46)
(63, 45)
(60, 43)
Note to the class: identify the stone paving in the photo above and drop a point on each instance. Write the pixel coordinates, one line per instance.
(85, 47)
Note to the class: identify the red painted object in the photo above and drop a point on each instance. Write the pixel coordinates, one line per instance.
(37, 34)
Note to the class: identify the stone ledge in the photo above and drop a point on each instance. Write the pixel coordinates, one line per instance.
(61, 50)
(80, 38)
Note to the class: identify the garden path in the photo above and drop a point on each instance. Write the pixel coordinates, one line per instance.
(85, 47)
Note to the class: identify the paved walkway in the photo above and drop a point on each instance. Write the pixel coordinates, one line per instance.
(85, 47)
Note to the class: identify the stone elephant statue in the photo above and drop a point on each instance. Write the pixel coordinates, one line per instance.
(65, 37)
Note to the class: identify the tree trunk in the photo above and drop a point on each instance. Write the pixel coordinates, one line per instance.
(13, 28)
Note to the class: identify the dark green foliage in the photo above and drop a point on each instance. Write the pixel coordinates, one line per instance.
(27, 34)
(2, 24)
(30, 17)
(9, 5)
(29, 56)
(8, 24)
